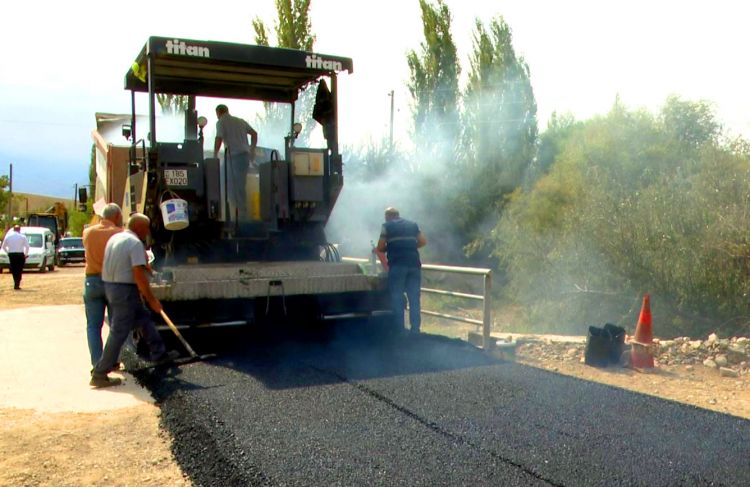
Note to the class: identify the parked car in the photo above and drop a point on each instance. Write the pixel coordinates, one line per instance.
(41, 250)
(70, 250)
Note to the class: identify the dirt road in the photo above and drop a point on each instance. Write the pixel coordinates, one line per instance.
(54, 429)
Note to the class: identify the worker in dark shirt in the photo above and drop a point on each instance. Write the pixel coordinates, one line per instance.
(401, 239)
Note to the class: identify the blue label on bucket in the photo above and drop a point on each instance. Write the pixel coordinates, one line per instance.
(170, 207)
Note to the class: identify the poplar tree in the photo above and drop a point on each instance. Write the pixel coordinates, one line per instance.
(433, 85)
(293, 30)
(172, 104)
(500, 124)
(500, 127)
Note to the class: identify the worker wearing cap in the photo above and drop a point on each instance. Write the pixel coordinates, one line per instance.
(16, 245)
(125, 282)
(95, 240)
(232, 132)
(401, 239)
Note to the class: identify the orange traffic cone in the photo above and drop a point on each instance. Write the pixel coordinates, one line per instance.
(642, 355)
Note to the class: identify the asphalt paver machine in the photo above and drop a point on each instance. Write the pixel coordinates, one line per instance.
(218, 269)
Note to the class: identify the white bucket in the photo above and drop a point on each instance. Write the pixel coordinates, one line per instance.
(174, 213)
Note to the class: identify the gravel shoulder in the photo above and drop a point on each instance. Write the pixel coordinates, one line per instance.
(54, 429)
(693, 384)
(697, 385)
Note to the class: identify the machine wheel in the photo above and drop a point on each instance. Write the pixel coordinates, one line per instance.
(43, 268)
(62, 263)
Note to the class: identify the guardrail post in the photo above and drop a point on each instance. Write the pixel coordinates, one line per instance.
(487, 318)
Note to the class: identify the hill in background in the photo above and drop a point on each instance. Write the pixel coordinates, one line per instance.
(25, 203)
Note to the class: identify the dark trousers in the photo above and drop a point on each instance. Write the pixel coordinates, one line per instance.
(403, 279)
(17, 260)
(128, 314)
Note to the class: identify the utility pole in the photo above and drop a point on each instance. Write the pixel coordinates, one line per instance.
(75, 195)
(391, 94)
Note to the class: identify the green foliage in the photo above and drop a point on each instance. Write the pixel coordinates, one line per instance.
(558, 129)
(433, 85)
(293, 30)
(372, 161)
(77, 220)
(293, 27)
(500, 129)
(633, 203)
(172, 104)
(691, 125)
(92, 172)
(261, 33)
(4, 194)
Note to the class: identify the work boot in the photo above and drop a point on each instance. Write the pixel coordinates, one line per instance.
(166, 358)
(118, 367)
(102, 381)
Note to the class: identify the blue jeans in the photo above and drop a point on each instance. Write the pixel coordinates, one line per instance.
(95, 303)
(237, 169)
(402, 279)
(128, 314)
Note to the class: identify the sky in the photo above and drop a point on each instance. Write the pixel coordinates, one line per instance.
(64, 61)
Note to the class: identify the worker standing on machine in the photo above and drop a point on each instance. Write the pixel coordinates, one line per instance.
(401, 239)
(232, 132)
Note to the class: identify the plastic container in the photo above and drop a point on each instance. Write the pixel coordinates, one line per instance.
(174, 212)
(253, 193)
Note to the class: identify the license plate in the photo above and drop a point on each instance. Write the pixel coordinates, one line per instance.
(176, 177)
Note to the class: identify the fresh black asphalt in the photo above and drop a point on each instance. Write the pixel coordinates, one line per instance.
(357, 408)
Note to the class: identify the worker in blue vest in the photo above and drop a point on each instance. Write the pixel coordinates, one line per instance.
(400, 239)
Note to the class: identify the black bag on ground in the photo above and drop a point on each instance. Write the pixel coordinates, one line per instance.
(604, 345)
(617, 336)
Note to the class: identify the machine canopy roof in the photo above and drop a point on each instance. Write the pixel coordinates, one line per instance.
(226, 70)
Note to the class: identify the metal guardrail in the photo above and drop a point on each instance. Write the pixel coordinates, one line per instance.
(485, 297)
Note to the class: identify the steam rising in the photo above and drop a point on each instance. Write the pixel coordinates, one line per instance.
(431, 186)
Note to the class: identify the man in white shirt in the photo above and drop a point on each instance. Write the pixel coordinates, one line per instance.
(16, 245)
(125, 277)
(232, 132)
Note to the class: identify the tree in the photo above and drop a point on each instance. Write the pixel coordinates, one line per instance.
(293, 30)
(372, 161)
(172, 104)
(92, 172)
(500, 128)
(550, 144)
(633, 204)
(692, 124)
(433, 85)
(4, 195)
(435, 102)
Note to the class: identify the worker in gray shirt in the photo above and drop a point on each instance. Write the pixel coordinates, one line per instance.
(232, 132)
(125, 277)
